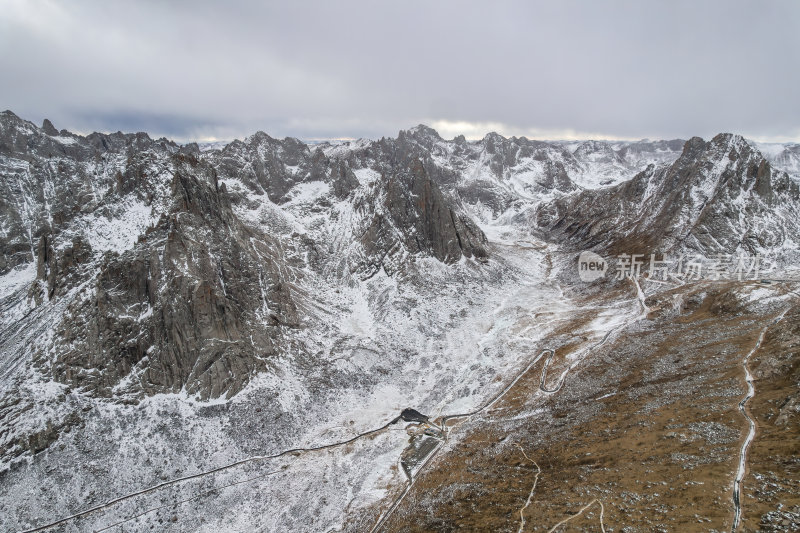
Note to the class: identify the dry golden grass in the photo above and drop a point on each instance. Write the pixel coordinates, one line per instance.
(660, 454)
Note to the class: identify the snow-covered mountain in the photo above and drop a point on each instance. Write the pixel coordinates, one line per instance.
(171, 312)
(718, 197)
(785, 156)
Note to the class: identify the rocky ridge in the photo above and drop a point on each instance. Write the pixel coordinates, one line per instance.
(200, 306)
(718, 197)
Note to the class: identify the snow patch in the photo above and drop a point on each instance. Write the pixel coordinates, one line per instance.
(120, 232)
(16, 279)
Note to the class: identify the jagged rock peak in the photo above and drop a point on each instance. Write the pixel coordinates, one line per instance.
(597, 149)
(9, 115)
(9, 121)
(720, 142)
(421, 220)
(715, 198)
(259, 137)
(48, 127)
(420, 135)
(422, 131)
(493, 136)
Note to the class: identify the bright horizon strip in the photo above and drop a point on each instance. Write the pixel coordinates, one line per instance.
(449, 130)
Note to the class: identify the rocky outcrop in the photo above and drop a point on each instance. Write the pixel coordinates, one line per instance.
(269, 166)
(485, 173)
(343, 181)
(720, 196)
(164, 287)
(416, 218)
(48, 128)
(58, 270)
(195, 306)
(51, 181)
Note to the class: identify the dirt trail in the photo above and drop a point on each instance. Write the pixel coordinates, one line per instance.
(533, 488)
(175, 481)
(753, 426)
(602, 512)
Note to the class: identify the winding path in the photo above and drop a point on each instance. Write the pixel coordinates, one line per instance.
(196, 496)
(745, 410)
(543, 379)
(446, 430)
(175, 481)
(410, 483)
(602, 512)
(533, 488)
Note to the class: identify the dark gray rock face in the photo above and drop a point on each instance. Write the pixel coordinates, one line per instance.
(48, 183)
(343, 181)
(58, 271)
(416, 218)
(196, 305)
(718, 197)
(269, 166)
(391, 226)
(164, 288)
(48, 128)
(479, 173)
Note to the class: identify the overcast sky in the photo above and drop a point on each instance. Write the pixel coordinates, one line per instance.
(202, 69)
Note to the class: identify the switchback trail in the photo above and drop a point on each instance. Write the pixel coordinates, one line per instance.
(543, 379)
(445, 430)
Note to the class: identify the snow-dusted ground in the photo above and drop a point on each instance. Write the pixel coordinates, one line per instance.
(784, 156)
(393, 346)
(441, 339)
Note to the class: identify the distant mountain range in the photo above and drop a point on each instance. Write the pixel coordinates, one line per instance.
(164, 257)
(134, 268)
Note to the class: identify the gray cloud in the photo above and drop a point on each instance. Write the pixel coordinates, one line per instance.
(349, 69)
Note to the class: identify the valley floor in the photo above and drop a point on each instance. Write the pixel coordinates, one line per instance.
(571, 411)
(645, 434)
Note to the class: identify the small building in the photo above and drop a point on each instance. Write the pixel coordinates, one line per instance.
(412, 415)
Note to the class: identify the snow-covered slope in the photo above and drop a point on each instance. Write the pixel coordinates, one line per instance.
(719, 199)
(783, 156)
(173, 316)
